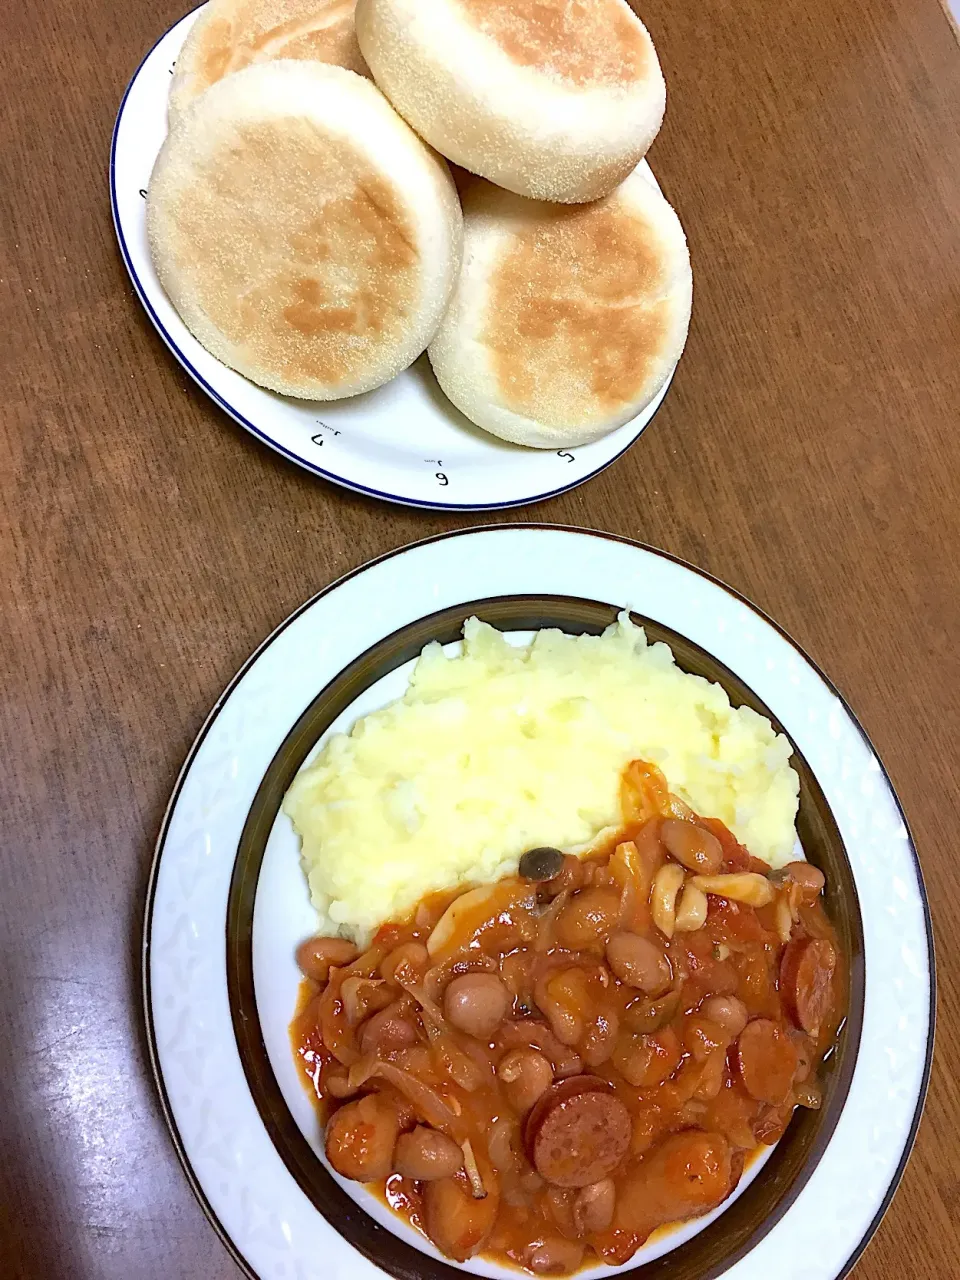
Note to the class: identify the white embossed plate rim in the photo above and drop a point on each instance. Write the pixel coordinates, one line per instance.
(267, 1222)
(404, 442)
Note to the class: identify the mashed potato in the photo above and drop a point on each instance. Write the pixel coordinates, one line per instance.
(504, 748)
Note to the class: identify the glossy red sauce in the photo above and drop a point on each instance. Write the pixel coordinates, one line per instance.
(666, 1055)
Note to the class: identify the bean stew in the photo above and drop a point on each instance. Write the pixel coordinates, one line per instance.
(546, 1070)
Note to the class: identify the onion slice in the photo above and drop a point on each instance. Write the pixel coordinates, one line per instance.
(473, 1172)
(427, 1102)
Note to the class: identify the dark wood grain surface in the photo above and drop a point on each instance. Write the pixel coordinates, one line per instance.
(808, 453)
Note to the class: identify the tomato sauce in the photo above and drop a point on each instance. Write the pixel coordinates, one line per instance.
(549, 1071)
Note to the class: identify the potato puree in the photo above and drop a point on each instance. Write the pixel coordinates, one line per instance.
(503, 748)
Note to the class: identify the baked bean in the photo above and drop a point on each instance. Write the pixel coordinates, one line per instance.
(639, 963)
(361, 1137)
(647, 1016)
(601, 1036)
(387, 1031)
(316, 956)
(702, 1037)
(711, 1075)
(808, 879)
(594, 1206)
(427, 1154)
(531, 1033)
(476, 1003)
(588, 919)
(554, 1255)
(503, 1144)
(595, 1051)
(525, 1074)
(648, 1060)
(693, 846)
(335, 1080)
(727, 1012)
(564, 997)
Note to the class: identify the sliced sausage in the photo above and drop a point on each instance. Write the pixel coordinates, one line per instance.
(456, 1222)
(557, 1093)
(806, 981)
(771, 1124)
(737, 1162)
(767, 1060)
(688, 1174)
(578, 1132)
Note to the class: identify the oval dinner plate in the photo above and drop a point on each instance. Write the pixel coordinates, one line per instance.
(404, 442)
(227, 902)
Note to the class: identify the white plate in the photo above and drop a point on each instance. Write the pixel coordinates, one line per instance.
(269, 1224)
(404, 442)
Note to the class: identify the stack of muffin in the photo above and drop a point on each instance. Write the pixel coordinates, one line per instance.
(304, 220)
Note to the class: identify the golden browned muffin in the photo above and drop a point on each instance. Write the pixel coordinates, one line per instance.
(553, 99)
(305, 234)
(232, 34)
(567, 319)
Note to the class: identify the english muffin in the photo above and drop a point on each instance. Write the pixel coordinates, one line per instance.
(567, 319)
(231, 34)
(304, 233)
(553, 99)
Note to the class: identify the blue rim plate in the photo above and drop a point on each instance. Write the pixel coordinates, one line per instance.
(404, 442)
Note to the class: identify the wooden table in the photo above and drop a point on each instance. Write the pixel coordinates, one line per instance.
(808, 453)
